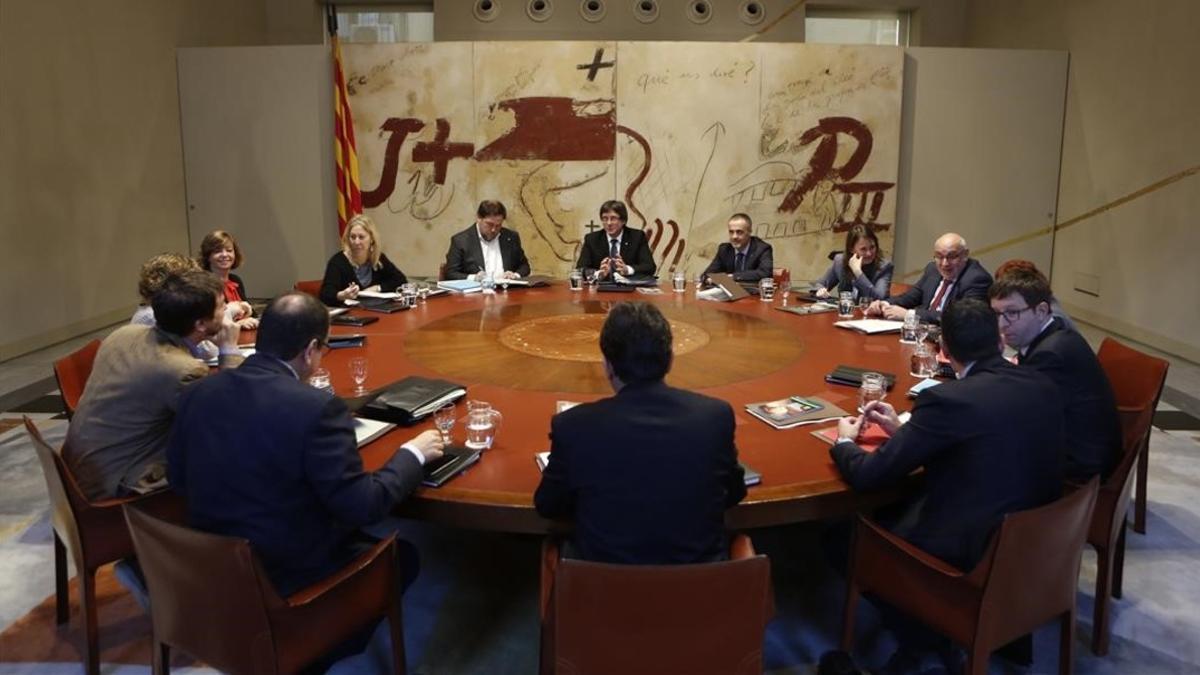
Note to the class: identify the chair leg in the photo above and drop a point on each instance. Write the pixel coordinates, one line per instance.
(1066, 642)
(87, 601)
(1119, 562)
(396, 625)
(1139, 500)
(62, 592)
(161, 658)
(848, 617)
(1104, 573)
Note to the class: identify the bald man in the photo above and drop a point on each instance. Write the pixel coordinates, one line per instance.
(951, 276)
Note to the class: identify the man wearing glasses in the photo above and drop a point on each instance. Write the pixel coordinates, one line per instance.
(1021, 300)
(952, 276)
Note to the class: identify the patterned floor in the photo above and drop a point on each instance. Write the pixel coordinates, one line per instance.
(473, 607)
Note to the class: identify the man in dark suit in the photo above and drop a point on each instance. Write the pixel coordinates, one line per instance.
(487, 248)
(1022, 302)
(260, 454)
(646, 474)
(990, 444)
(952, 276)
(746, 257)
(616, 248)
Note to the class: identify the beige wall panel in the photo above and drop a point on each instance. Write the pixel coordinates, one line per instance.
(1128, 126)
(91, 173)
(982, 135)
(257, 129)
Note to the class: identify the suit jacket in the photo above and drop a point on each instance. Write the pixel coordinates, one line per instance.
(339, 274)
(280, 468)
(760, 262)
(1093, 430)
(117, 437)
(647, 476)
(874, 282)
(972, 282)
(465, 256)
(635, 251)
(990, 443)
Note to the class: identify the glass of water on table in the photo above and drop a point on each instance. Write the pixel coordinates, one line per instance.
(873, 388)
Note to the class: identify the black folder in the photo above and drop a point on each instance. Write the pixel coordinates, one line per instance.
(411, 399)
(349, 320)
(454, 460)
(849, 375)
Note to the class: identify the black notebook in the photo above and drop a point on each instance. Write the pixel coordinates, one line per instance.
(454, 460)
(352, 340)
(348, 320)
(411, 399)
(852, 376)
(382, 306)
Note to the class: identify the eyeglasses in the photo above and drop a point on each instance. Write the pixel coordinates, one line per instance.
(323, 346)
(1012, 315)
(949, 257)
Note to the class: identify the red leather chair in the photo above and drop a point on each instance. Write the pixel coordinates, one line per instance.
(311, 287)
(1027, 577)
(210, 597)
(702, 619)
(1137, 381)
(72, 372)
(93, 532)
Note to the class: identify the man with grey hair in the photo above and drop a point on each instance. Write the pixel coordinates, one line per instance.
(951, 276)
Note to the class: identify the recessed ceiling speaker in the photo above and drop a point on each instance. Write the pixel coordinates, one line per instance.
(539, 10)
(752, 12)
(699, 11)
(645, 11)
(592, 10)
(486, 10)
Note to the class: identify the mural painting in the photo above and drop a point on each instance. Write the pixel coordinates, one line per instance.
(804, 138)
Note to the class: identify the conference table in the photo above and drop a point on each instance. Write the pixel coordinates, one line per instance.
(525, 349)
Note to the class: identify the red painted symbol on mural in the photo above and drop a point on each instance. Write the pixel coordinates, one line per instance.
(440, 152)
(672, 252)
(399, 129)
(820, 167)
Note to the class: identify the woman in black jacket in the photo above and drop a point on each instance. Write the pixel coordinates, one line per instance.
(361, 265)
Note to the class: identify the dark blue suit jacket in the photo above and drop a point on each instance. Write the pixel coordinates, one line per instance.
(465, 255)
(259, 454)
(991, 443)
(973, 282)
(760, 261)
(1093, 430)
(635, 251)
(647, 476)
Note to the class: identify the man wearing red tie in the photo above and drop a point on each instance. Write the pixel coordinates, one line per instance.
(951, 276)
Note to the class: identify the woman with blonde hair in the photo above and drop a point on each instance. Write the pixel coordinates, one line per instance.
(361, 265)
(220, 254)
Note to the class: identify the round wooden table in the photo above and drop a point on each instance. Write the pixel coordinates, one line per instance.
(523, 350)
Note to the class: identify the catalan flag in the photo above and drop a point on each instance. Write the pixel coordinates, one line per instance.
(345, 155)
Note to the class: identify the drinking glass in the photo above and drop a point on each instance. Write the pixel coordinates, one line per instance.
(444, 419)
(873, 388)
(488, 283)
(846, 305)
(923, 361)
(589, 277)
(482, 421)
(785, 288)
(576, 279)
(678, 281)
(319, 379)
(766, 290)
(409, 294)
(908, 332)
(422, 291)
(358, 371)
(863, 303)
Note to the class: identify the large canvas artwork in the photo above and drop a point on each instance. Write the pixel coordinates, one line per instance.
(803, 138)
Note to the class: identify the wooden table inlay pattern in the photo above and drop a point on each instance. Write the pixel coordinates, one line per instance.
(753, 353)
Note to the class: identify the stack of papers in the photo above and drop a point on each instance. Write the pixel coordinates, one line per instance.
(379, 295)
(871, 326)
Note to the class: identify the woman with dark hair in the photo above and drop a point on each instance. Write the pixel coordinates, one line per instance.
(361, 265)
(220, 254)
(858, 268)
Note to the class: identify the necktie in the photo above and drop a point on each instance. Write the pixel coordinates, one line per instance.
(614, 249)
(739, 262)
(937, 298)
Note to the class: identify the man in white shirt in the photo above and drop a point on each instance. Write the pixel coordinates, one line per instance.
(486, 248)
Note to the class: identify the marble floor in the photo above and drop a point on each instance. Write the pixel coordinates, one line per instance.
(482, 587)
